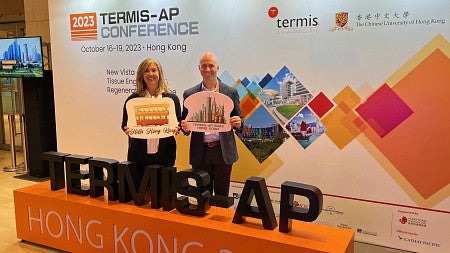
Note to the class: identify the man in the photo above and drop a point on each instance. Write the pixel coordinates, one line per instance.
(214, 153)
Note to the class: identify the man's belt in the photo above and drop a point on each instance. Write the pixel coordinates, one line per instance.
(212, 144)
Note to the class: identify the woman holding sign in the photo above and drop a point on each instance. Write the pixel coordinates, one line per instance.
(150, 118)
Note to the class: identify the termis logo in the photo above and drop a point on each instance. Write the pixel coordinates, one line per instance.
(130, 23)
(306, 23)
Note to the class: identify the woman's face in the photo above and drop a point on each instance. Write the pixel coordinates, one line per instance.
(151, 76)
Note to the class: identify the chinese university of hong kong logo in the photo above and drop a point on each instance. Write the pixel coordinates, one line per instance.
(83, 26)
(341, 19)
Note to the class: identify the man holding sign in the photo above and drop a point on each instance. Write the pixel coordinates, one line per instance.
(212, 124)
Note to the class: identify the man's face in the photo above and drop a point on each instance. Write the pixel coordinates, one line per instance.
(208, 67)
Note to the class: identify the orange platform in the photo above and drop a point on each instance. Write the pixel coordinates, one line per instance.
(82, 224)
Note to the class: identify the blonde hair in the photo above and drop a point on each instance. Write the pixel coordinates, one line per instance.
(140, 83)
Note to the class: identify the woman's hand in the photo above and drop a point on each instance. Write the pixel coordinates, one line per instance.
(177, 130)
(126, 130)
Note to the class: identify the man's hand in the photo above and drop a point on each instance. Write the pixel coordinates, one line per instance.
(185, 126)
(236, 122)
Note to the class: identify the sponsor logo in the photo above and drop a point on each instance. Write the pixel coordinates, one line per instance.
(326, 223)
(403, 220)
(421, 242)
(331, 210)
(273, 12)
(365, 232)
(132, 23)
(341, 19)
(413, 221)
(300, 205)
(293, 25)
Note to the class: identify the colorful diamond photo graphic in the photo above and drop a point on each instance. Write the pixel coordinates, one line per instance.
(305, 127)
(262, 134)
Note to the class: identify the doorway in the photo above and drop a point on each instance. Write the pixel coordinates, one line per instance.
(11, 122)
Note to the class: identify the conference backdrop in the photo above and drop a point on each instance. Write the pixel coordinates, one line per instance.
(348, 96)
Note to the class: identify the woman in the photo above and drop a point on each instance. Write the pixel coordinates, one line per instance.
(150, 82)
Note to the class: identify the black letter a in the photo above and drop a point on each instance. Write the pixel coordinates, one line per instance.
(256, 186)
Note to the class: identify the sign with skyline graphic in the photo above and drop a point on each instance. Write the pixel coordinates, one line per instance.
(208, 111)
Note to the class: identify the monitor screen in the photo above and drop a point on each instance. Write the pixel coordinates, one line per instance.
(21, 57)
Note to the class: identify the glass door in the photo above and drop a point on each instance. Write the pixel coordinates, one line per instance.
(10, 122)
